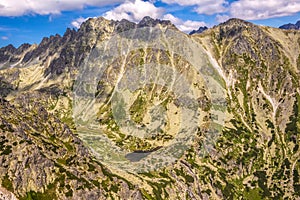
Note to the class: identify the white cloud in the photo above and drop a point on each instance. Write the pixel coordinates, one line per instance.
(45, 7)
(7, 29)
(212, 8)
(184, 2)
(77, 22)
(134, 11)
(263, 9)
(222, 18)
(208, 7)
(4, 38)
(244, 9)
(172, 18)
(185, 26)
(137, 10)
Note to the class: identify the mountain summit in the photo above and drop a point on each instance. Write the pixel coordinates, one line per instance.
(291, 26)
(200, 30)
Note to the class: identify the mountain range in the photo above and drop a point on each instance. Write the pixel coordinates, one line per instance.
(44, 154)
(291, 26)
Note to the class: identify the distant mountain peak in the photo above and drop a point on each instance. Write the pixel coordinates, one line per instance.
(200, 30)
(291, 26)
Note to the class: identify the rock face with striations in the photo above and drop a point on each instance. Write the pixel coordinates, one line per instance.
(255, 156)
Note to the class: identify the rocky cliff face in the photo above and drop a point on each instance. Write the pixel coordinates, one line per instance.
(256, 154)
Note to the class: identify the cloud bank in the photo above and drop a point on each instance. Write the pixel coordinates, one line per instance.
(136, 10)
(263, 9)
(46, 7)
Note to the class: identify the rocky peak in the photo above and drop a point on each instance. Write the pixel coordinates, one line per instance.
(147, 21)
(50, 44)
(69, 32)
(123, 25)
(9, 48)
(290, 26)
(150, 22)
(235, 27)
(236, 22)
(6, 52)
(23, 48)
(95, 23)
(200, 30)
(47, 40)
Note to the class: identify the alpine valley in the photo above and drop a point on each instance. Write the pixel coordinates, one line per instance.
(255, 156)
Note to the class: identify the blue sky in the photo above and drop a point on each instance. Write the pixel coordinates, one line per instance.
(28, 21)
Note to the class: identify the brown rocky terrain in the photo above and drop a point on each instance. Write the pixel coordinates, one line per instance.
(255, 156)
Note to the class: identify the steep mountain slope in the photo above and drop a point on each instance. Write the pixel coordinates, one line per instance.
(255, 156)
(42, 159)
(260, 66)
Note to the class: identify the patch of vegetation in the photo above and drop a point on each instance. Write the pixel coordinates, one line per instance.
(252, 194)
(293, 128)
(69, 146)
(262, 183)
(39, 196)
(69, 193)
(91, 167)
(7, 183)
(6, 150)
(137, 110)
